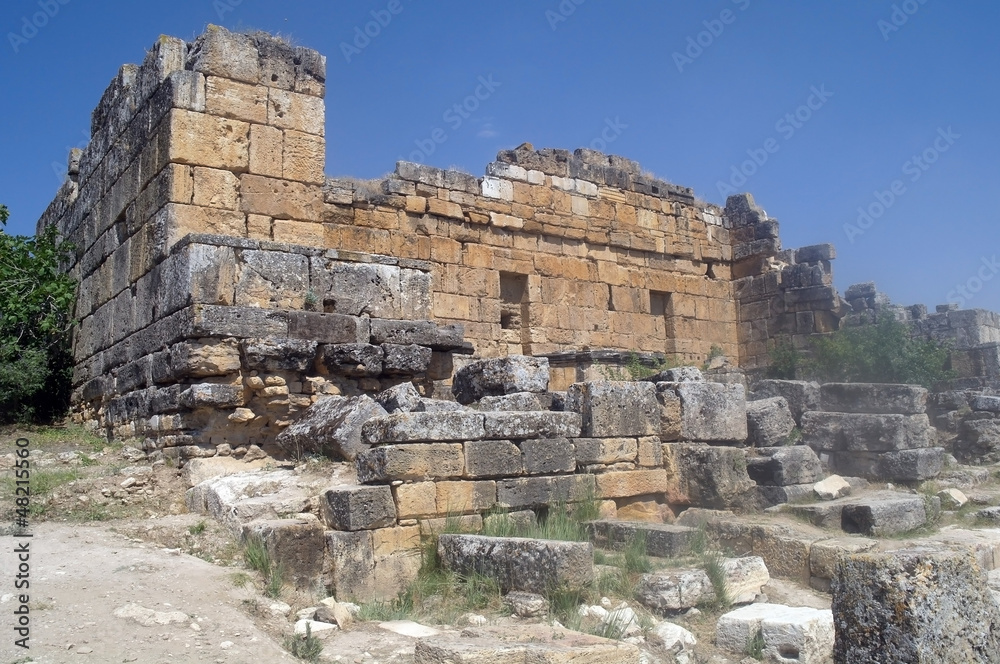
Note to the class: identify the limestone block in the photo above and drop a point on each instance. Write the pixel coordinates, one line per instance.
(272, 279)
(520, 564)
(978, 442)
(885, 515)
(327, 328)
(705, 476)
(875, 398)
(987, 403)
(408, 360)
(675, 590)
(358, 507)
(195, 274)
(606, 451)
(499, 376)
(535, 643)
(355, 360)
(784, 466)
(911, 465)
(402, 398)
(423, 333)
(612, 409)
(537, 424)
(802, 396)
(303, 158)
(712, 412)
(382, 291)
(650, 452)
(331, 427)
(544, 491)
(518, 401)
(492, 458)
(239, 101)
(297, 543)
(823, 555)
(206, 140)
(463, 497)
(415, 500)
(414, 462)
(798, 634)
(670, 412)
(548, 456)
(280, 199)
(266, 151)
(677, 375)
(662, 540)
(218, 52)
(351, 560)
(213, 395)
(769, 422)
(201, 359)
(832, 487)
(914, 605)
(628, 483)
(424, 427)
(275, 353)
(952, 499)
(745, 578)
(832, 432)
(300, 112)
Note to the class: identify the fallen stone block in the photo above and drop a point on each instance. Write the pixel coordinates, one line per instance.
(916, 606)
(823, 556)
(711, 412)
(358, 507)
(745, 578)
(770, 496)
(530, 565)
(526, 605)
(197, 471)
(331, 427)
(785, 550)
(662, 540)
(952, 499)
(613, 409)
(417, 462)
(544, 491)
(879, 398)
(238, 499)
(675, 590)
(493, 458)
(677, 375)
(523, 425)
(978, 442)
(518, 401)
(847, 432)
(788, 634)
(499, 376)
(546, 456)
(296, 543)
(535, 644)
(986, 403)
(424, 427)
(802, 396)
(832, 487)
(402, 398)
(784, 466)
(705, 476)
(880, 517)
(911, 465)
(440, 406)
(769, 422)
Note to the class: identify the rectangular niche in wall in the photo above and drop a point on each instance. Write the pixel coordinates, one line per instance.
(661, 306)
(513, 300)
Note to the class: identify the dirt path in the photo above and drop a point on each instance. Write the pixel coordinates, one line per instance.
(81, 574)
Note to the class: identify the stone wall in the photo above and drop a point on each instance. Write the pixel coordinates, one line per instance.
(202, 216)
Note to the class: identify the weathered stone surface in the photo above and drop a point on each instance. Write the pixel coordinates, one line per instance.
(918, 606)
(886, 515)
(424, 427)
(213, 395)
(499, 376)
(405, 360)
(197, 471)
(662, 540)
(331, 427)
(833, 432)
(712, 412)
(544, 491)
(677, 375)
(978, 442)
(629, 483)
(745, 578)
(518, 401)
(675, 590)
(297, 543)
(358, 507)
(526, 605)
(535, 644)
(605, 451)
(832, 487)
(785, 550)
(520, 564)
(355, 360)
(769, 422)
(422, 333)
(523, 425)
(492, 458)
(911, 465)
(873, 398)
(410, 462)
(802, 396)
(952, 499)
(784, 466)
(611, 409)
(402, 398)
(769, 496)
(548, 456)
(274, 354)
(440, 406)
(986, 403)
(823, 556)
(789, 634)
(705, 476)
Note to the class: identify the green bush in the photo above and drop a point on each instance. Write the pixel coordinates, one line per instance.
(785, 360)
(883, 352)
(36, 299)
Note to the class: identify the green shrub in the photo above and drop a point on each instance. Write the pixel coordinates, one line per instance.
(36, 299)
(785, 360)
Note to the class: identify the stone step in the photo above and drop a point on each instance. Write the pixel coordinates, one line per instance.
(879, 514)
(787, 633)
(534, 644)
(662, 540)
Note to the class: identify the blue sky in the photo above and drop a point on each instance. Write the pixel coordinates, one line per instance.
(830, 107)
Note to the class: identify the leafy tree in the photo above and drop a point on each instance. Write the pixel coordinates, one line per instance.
(36, 299)
(883, 352)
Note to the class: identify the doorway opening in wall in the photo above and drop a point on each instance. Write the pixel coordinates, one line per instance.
(514, 309)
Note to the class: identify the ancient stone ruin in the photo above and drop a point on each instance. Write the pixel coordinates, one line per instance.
(460, 344)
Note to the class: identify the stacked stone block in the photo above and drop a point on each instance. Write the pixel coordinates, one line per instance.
(877, 431)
